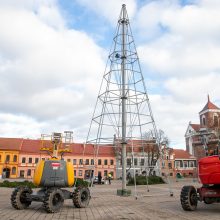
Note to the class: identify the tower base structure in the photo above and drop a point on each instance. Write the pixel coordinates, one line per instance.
(123, 192)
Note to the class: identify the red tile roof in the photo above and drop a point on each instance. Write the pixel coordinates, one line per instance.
(10, 143)
(30, 146)
(182, 154)
(140, 146)
(196, 127)
(89, 149)
(209, 105)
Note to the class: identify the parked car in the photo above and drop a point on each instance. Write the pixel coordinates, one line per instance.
(96, 180)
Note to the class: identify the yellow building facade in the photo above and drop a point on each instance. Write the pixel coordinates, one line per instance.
(9, 156)
(9, 163)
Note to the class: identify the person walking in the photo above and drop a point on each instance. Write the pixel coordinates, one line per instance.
(109, 178)
(99, 178)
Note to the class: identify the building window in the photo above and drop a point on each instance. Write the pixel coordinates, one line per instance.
(15, 158)
(74, 172)
(163, 164)
(177, 164)
(29, 172)
(30, 160)
(43, 158)
(22, 173)
(80, 161)
(203, 120)
(142, 162)
(99, 162)
(68, 160)
(87, 161)
(128, 161)
(105, 172)
(13, 172)
(7, 158)
(135, 161)
(74, 161)
(181, 163)
(92, 161)
(185, 163)
(105, 162)
(170, 165)
(36, 160)
(191, 163)
(215, 120)
(111, 162)
(23, 160)
(80, 172)
(171, 174)
(167, 157)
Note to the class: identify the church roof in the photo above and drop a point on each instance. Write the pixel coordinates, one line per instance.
(196, 127)
(209, 105)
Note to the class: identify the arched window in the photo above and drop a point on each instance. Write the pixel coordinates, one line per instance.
(215, 119)
(203, 120)
(13, 172)
(15, 158)
(7, 158)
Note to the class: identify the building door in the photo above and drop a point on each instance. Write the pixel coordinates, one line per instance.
(6, 172)
(22, 173)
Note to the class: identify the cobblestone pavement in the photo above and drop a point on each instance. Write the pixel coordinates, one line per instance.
(105, 204)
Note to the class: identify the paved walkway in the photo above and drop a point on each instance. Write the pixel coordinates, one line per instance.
(105, 204)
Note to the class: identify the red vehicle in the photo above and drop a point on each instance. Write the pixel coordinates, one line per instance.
(209, 175)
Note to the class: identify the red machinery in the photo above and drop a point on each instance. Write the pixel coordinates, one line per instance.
(209, 175)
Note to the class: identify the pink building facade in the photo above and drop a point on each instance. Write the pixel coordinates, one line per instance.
(82, 157)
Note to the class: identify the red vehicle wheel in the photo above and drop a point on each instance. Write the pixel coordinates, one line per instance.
(188, 198)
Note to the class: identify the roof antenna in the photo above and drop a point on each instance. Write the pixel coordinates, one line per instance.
(208, 98)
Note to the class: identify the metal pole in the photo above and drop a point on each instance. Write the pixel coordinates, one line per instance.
(123, 57)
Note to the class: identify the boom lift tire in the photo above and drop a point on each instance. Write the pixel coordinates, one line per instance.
(81, 197)
(54, 200)
(19, 197)
(188, 198)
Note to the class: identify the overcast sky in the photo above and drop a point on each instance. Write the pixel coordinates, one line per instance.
(53, 55)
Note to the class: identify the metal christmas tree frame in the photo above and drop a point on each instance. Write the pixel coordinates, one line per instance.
(122, 114)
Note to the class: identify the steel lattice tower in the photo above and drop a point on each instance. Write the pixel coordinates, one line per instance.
(122, 113)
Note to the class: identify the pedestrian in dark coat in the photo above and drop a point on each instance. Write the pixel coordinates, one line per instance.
(99, 178)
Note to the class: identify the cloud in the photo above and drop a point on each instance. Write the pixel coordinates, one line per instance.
(109, 9)
(187, 89)
(185, 39)
(48, 71)
(179, 48)
(20, 126)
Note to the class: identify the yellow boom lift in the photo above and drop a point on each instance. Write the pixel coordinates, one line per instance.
(52, 175)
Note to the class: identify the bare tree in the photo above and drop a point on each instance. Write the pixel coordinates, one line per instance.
(153, 150)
